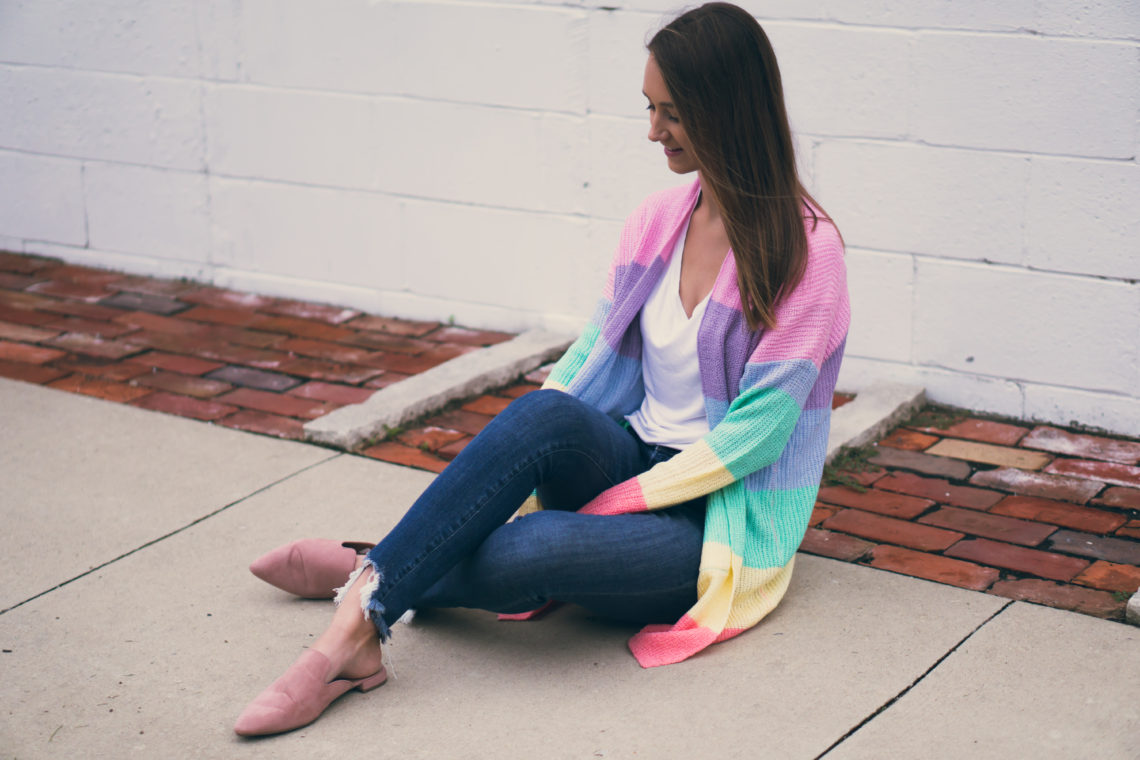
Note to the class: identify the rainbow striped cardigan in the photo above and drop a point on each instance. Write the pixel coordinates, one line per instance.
(768, 398)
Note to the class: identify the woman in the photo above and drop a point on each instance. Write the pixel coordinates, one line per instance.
(677, 447)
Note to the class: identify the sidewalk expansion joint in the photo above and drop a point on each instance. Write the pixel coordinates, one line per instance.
(174, 532)
(886, 705)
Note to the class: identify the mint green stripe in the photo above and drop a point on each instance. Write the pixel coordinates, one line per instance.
(755, 430)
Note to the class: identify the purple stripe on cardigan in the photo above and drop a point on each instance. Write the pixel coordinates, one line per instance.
(821, 394)
(722, 366)
(632, 285)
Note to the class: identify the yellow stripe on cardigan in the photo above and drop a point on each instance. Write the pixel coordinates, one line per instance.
(694, 472)
(755, 593)
(720, 569)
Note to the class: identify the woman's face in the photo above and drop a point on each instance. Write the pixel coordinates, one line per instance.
(664, 126)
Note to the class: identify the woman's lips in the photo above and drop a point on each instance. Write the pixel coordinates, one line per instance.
(672, 152)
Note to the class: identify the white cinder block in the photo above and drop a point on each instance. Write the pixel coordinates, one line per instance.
(960, 204)
(487, 156)
(881, 286)
(117, 35)
(1106, 19)
(508, 258)
(617, 57)
(1026, 94)
(983, 15)
(221, 52)
(1068, 406)
(347, 46)
(116, 261)
(984, 394)
(309, 137)
(1027, 326)
(508, 55)
(41, 198)
(148, 212)
(503, 55)
(110, 117)
(872, 97)
(337, 236)
(625, 166)
(1084, 216)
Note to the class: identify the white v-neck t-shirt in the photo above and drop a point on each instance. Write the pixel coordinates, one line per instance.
(673, 412)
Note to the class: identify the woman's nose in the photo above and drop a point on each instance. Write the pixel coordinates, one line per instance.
(654, 131)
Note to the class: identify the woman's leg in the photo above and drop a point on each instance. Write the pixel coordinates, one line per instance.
(638, 567)
(546, 440)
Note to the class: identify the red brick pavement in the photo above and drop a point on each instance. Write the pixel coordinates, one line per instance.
(1031, 512)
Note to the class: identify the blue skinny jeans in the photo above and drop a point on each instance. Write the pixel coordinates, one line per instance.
(455, 548)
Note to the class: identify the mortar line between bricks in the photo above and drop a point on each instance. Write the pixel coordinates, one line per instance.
(886, 705)
(176, 531)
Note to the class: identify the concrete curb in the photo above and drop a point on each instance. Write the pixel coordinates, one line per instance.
(1132, 611)
(874, 411)
(465, 375)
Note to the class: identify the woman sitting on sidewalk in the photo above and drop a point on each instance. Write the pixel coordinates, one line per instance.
(667, 470)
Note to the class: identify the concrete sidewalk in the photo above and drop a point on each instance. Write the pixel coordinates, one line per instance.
(132, 627)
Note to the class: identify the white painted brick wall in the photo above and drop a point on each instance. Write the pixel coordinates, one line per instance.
(437, 158)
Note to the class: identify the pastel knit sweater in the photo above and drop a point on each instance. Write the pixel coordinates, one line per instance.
(768, 398)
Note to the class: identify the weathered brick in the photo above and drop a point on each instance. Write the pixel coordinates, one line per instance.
(251, 357)
(25, 333)
(183, 365)
(29, 373)
(883, 502)
(1058, 567)
(403, 327)
(933, 567)
(820, 513)
(333, 315)
(221, 316)
(78, 309)
(840, 399)
(98, 328)
(398, 453)
(241, 336)
(77, 273)
(519, 389)
(1130, 529)
(18, 352)
(28, 317)
(89, 292)
(985, 431)
(148, 302)
(1106, 472)
(465, 337)
(321, 349)
(160, 323)
(155, 286)
(334, 392)
(184, 406)
(385, 379)
(277, 403)
(388, 343)
(1109, 576)
(413, 365)
(976, 523)
(467, 422)
(835, 545)
(988, 453)
(1089, 601)
(9, 281)
(254, 378)
(451, 450)
(108, 370)
(304, 328)
(24, 264)
(927, 464)
(1081, 446)
(490, 405)
(1038, 484)
(266, 424)
(225, 299)
(1121, 498)
(105, 389)
(186, 385)
(1118, 550)
(430, 438)
(909, 440)
(315, 369)
(888, 530)
(939, 490)
(92, 345)
(1061, 513)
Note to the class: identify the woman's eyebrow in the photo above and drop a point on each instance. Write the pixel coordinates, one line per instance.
(667, 103)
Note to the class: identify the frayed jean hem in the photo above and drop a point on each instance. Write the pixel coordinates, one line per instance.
(370, 606)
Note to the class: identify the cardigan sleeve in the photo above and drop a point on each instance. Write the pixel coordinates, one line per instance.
(775, 388)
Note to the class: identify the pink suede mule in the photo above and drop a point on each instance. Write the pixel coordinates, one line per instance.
(313, 568)
(299, 696)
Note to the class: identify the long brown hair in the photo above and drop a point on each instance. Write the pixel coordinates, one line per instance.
(722, 75)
